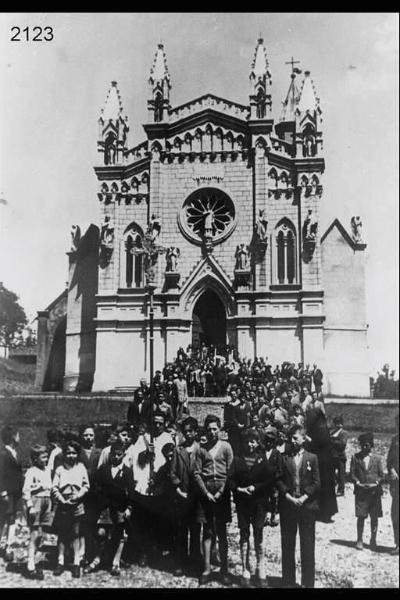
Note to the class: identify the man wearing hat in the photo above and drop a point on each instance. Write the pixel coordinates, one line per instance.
(366, 471)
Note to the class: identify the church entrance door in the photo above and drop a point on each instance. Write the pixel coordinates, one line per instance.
(209, 320)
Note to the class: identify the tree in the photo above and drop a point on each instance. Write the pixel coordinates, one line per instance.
(12, 316)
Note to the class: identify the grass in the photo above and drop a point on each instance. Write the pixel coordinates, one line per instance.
(16, 377)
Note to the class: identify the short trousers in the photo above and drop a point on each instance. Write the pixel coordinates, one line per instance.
(41, 514)
(67, 520)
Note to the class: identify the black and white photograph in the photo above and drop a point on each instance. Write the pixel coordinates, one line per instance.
(199, 382)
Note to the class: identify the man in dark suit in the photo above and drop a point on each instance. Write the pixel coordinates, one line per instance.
(139, 410)
(11, 482)
(298, 487)
(317, 378)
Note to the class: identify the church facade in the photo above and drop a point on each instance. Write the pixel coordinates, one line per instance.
(217, 212)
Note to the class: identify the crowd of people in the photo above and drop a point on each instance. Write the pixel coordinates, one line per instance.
(212, 370)
(161, 484)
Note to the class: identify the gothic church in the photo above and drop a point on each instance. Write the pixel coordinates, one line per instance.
(230, 200)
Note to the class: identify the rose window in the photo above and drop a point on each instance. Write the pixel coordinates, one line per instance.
(207, 213)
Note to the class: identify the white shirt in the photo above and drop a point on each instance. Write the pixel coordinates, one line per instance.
(298, 457)
(115, 470)
(141, 474)
(366, 460)
(12, 451)
(268, 453)
(37, 483)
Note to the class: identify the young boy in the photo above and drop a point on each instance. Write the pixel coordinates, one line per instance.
(115, 487)
(367, 474)
(339, 441)
(70, 486)
(11, 482)
(36, 495)
(182, 469)
(214, 509)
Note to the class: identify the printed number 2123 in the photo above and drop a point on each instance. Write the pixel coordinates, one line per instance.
(34, 34)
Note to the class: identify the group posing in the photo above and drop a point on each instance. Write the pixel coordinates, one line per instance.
(163, 485)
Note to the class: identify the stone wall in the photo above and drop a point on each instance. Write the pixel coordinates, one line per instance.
(34, 414)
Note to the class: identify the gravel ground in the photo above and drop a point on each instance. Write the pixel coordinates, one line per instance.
(338, 563)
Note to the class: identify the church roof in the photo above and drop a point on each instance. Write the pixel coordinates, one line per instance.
(159, 70)
(308, 100)
(113, 105)
(290, 102)
(260, 65)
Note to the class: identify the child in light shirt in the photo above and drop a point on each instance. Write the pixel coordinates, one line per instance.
(70, 485)
(36, 495)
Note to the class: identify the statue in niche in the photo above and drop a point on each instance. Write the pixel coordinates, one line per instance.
(110, 149)
(310, 227)
(260, 106)
(242, 257)
(173, 254)
(75, 237)
(209, 221)
(158, 108)
(309, 147)
(356, 229)
(154, 227)
(261, 226)
(107, 233)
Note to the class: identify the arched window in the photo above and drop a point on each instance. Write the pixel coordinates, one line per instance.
(133, 267)
(286, 264)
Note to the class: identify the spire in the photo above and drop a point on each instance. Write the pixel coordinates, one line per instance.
(290, 103)
(159, 70)
(308, 119)
(260, 65)
(113, 128)
(159, 87)
(113, 108)
(308, 100)
(260, 81)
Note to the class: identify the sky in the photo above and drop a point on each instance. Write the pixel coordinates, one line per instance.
(52, 93)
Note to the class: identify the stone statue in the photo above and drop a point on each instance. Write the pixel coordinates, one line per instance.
(310, 227)
(172, 256)
(110, 149)
(261, 226)
(260, 100)
(107, 233)
(309, 145)
(154, 227)
(209, 221)
(75, 237)
(356, 229)
(242, 257)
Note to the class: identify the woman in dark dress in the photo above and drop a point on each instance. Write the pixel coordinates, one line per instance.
(321, 445)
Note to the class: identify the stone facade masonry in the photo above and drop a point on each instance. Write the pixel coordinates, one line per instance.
(240, 155)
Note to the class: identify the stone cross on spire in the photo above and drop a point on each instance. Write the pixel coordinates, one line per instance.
(290, 102)
(293, 62)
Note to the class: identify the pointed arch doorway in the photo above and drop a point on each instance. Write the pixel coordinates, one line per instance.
(209, 320)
